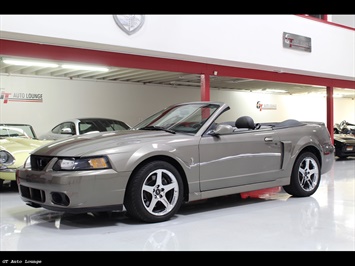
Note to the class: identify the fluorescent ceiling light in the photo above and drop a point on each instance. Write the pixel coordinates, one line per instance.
(28, 63)
(318, 86)
(270, 90)
(85, 67)
(240, 81)
(276, 90)
(19, 62)
(335, 95)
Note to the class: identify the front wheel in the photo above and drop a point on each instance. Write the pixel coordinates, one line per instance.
(305, 176)
(154, 193)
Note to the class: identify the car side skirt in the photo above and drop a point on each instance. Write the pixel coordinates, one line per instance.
(235, 190)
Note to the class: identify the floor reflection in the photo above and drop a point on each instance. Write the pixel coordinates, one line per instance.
(272, 220)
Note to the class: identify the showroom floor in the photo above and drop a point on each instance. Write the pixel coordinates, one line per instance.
(272, 222)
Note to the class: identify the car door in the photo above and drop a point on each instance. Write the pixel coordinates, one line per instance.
(239, 158)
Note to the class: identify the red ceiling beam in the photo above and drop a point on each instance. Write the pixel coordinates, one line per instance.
(61, 53)
(279, 77)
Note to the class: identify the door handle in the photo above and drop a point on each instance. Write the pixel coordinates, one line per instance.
(268, 139)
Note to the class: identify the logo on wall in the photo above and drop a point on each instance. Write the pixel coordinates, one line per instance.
(265, 106)
(297, 42)
(129, 23)
(21, 97)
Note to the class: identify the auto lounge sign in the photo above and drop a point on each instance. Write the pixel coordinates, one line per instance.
(265, 106)
(21, 97)
(297, 42)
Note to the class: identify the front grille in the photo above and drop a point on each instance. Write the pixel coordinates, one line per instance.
(33, 194)
(38, 163)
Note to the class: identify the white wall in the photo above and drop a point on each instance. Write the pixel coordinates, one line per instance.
(64, 99)
(346, 20)
(252, 41)
(287, 106)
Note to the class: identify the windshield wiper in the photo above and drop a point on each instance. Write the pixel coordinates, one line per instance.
(158, 128)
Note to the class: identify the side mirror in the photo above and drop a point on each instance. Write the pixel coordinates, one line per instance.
(221, 130)
(66, 130)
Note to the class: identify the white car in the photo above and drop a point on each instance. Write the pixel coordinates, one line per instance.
(16, 143)
(79, 126)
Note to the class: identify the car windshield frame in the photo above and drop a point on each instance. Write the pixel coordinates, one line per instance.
(182, 118)
(17, 130)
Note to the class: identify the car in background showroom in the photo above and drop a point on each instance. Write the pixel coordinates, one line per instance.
(344, 127)
(79, 126)
(16, 142)
(344, 139)
(183, 153)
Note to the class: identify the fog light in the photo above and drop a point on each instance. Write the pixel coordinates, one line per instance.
(60, 198)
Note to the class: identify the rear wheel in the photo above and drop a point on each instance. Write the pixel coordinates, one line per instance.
(305, 177)
(154, 193)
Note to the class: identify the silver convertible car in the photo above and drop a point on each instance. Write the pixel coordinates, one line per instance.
(186, 152)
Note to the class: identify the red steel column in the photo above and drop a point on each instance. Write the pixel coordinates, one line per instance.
(330, 112)
(205, 87)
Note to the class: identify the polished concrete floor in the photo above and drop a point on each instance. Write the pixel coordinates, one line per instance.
(270, 222)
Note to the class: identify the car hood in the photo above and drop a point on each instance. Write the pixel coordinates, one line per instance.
(20, 145)
(105, 143)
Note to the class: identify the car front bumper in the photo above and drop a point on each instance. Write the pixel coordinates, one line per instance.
(73, 191)
(8, 174)
(345, 149)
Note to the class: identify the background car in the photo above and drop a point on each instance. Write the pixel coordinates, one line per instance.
(181, 154)
(344, 127)
(79, 126)
(344, 139)
(344, 145)
(16, 142)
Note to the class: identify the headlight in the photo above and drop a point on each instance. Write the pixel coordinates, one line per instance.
(6, 158)
(89, 163)
(27, 163)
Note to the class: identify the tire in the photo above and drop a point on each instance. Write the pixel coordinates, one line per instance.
(342, 157)
(305, 176)
(154, 193)
(14, 186)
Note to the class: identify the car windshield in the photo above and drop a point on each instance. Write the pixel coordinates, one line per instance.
(101, 125)
(16, 130)
(186, 118)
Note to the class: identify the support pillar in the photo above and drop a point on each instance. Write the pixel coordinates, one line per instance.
(205, 87)
(330, 112)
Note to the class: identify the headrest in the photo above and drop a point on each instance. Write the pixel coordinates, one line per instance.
(245, 122)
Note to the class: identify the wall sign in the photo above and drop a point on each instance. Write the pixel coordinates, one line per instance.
(296, 42)
(129, 23)
(21, 97)
(265, 106)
